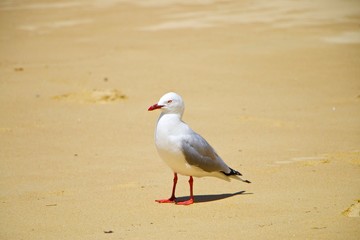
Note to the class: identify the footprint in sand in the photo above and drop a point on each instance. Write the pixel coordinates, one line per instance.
(353, 210)
(92, 96)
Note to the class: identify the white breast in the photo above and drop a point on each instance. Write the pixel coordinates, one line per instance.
(169, 133)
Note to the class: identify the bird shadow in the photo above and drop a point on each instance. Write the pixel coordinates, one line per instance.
(212, 197)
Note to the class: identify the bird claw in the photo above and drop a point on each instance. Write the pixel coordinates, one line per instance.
(170, 200)
(185, 203)
(173, 200)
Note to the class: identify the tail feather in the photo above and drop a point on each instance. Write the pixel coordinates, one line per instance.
(236, 174)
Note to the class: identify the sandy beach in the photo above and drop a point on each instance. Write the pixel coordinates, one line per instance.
(274, 86)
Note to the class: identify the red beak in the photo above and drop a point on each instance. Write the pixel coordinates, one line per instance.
(154, 107)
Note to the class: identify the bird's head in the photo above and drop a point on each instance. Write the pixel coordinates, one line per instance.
(169, 103)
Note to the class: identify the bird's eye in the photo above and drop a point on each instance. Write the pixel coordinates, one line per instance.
(170, 101)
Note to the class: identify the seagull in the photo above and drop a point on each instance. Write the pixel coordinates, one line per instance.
(185, 151)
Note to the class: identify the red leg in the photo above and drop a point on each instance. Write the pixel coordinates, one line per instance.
(191, 200)
(172, 198)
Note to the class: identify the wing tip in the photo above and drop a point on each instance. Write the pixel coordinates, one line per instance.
(232, 172)
(235, 174)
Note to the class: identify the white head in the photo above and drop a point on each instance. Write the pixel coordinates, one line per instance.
(169, 103)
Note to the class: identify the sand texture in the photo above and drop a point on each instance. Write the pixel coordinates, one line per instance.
(274, 86)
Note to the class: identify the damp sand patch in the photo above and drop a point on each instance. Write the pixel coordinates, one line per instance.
(350, 157)
(306, 161)
(94, 96)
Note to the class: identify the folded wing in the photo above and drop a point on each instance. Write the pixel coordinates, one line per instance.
(199, 153)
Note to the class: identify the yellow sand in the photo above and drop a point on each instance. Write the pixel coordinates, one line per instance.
(274, 86)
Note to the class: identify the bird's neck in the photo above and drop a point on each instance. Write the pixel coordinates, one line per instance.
(168, 123)
(170, 118)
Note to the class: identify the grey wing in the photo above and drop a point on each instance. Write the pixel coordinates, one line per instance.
(199, 153)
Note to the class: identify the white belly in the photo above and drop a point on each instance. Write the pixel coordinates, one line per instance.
(175, 160)
(178, 163)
